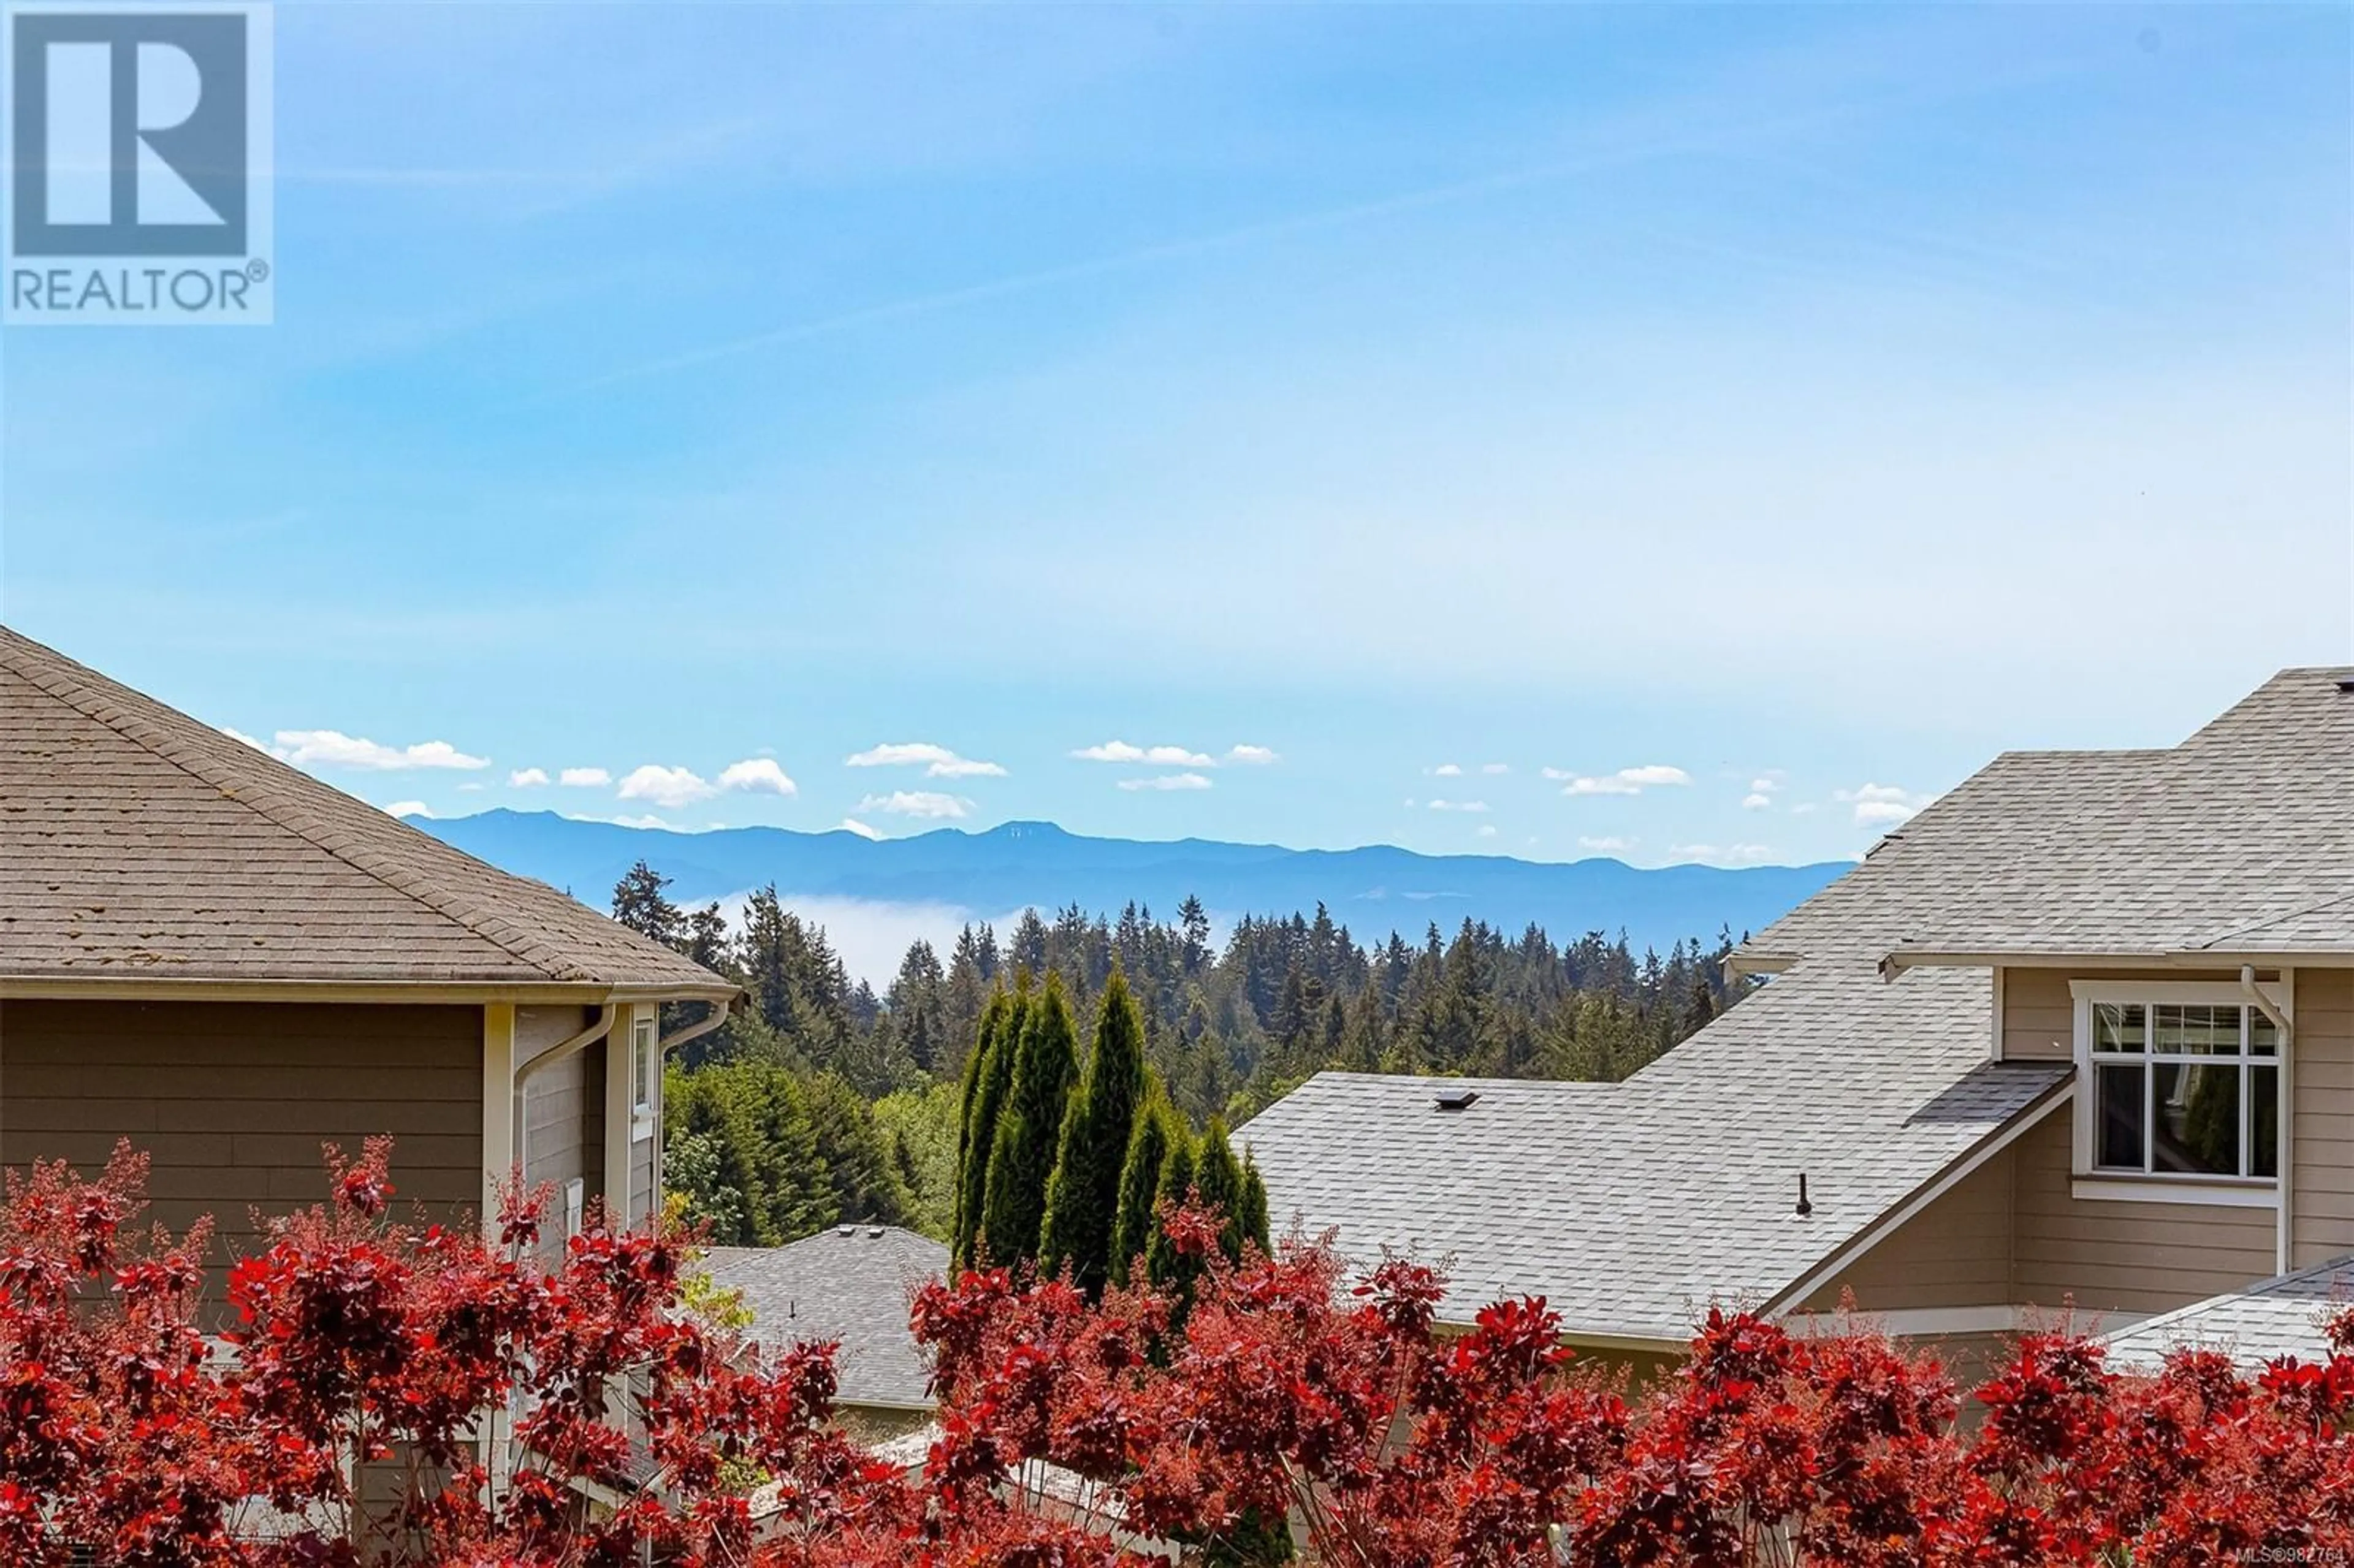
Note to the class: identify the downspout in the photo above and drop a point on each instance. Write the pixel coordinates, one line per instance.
(570, 1046)
(2284, 1114)
(695, 1031)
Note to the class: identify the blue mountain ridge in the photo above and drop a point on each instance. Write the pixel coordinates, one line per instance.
(1372, 890)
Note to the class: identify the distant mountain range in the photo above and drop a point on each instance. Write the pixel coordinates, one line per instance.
(990, 875)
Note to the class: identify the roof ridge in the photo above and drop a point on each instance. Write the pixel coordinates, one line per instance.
(88, 692)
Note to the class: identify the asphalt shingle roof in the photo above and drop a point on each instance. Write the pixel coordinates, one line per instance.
(852, 1284)
(2234, 841)
(142, 843)
(2278, 1317)
(1631, 1207)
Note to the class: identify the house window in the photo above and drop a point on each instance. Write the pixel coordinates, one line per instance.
(2179, 1083)
(641, 1068)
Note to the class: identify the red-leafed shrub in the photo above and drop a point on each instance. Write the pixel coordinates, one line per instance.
(392, 1392)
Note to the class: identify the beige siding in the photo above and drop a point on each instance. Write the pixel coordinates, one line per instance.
(2039, 1017)
(556, 1149)
(233, 1100)
(1954, 1253)
(2321, 1196)
(2122, 1258)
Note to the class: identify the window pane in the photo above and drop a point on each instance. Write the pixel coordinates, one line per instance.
(2117, 1026)
(2198, 1114)
(2264, 1117)
(2117, 1118)
(2196, 1031)
(2263, 1038)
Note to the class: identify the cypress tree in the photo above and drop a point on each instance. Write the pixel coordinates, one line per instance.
(1175, 1187)
(1220, 1180)
(1253, 1206)
(976, 1068)
(992, 1089)
(1083, 1194)
(1029, 1127)
(1140, 1181)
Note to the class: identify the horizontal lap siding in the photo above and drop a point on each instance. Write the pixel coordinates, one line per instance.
(232, 1101)
(2039, 1016)
(2113, 1258)
(1954, 1253)
(2321, 1199)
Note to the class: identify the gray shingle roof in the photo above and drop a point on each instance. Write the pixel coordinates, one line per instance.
(853, 1284)
(1630, 1207)
(2278, 1317)
(144, 845)
(2234, 841)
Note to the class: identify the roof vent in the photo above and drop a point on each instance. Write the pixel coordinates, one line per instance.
(1455, 1099)
(874, 1233)
(1805, 1206)
(2346, 683)
(845, 1230)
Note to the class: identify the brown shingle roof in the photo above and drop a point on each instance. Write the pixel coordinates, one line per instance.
(139, 843)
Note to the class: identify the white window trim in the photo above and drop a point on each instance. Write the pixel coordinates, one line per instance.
(644, 1061)
(2100, 1185)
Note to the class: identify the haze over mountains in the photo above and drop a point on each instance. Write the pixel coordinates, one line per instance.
(949, 876)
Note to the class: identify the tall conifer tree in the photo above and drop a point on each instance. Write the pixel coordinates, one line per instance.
(1083, 1194)
(1030, 1128)
(1140, 1181)
(1219, 1180)
(992, 1089)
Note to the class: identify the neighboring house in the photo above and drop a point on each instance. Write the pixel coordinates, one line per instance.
(2082, 1031)
(228, 963)
(852, 1285)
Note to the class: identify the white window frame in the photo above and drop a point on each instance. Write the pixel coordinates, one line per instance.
(645, 1079)
(2102, 1182)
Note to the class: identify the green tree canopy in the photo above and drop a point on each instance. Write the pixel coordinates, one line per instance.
(1083, 1194)
(1030, 1128)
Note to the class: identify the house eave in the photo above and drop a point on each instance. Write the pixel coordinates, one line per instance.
(148, 987)
(1897, 961)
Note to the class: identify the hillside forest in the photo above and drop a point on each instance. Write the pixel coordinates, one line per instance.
(824, 1101)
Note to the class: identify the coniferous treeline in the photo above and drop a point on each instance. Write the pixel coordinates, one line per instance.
(826, 1101)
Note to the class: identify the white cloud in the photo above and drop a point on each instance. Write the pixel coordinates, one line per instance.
(1626, 781)
(584, 778)
(239, 735)
(926, 803)
(1154, 756)
(1764, 784)
(937, 761)
(1494, 767)
(1726, 855)
(1883, 804)
(669, 788)
(1458, 805)
(1755, 801)
(1251, 756)
(1803, 809)
(332, 749)
(409, 809)
(1166, 782)
(527, 777)
(648, 821)
(852, 825)
(1487, 830)
(758, 776)
(1607, 845)
(1447, 770)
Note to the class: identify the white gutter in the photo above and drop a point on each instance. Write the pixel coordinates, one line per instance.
(698, 1029)
(2284, 1114)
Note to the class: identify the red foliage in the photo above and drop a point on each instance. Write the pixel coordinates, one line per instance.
(1285, 1392)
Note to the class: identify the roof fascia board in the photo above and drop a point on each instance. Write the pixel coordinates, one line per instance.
(1902, 959)
(1944, 1181)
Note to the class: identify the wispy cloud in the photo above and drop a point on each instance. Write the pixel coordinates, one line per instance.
(584, 777)
(1151, 756)
(1447, 770)
(334, 749)
(852, 825)
(1626, 781)
(409, 809)
(1251, 756)
(1487, 830)
(1166, 782)
(669, 788)
(758, 775)
(1720, 856)
(527, 777)
(1458, 806)
(1495, 767)
(937, 761)
(1878, 805)
(926, 804)
(1607, 845)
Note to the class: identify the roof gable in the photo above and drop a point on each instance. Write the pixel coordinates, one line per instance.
(146, 845)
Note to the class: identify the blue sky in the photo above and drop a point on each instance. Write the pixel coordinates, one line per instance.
(1711, 430)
